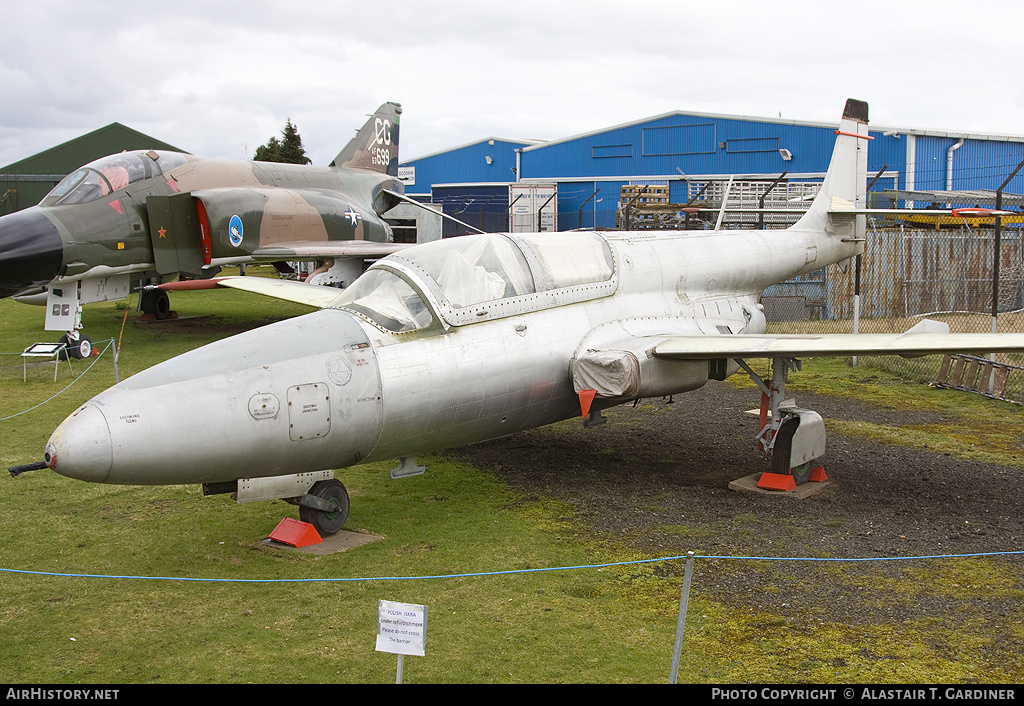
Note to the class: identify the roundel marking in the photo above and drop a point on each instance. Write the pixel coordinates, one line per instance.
(235, 233)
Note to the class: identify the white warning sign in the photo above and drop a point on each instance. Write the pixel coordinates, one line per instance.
(401, 628)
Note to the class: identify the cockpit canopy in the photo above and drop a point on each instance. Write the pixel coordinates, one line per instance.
(470, 276)
(107, 175)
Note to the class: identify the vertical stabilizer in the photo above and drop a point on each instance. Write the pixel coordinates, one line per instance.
(845, 184)
(375, 146)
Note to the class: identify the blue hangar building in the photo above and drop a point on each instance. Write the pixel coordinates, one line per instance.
(619, 176)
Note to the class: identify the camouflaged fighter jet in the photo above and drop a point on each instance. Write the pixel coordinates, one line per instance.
(467, 339)
(140, 218)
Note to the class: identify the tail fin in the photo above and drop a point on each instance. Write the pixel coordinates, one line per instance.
(375, 146)
(845, 184)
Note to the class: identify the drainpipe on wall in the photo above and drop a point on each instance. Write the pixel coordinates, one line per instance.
(949, 165)
(910, 176)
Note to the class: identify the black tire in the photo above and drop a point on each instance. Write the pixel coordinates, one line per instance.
(783, 450)
(79, 346)
(327, 523)
(156, 303)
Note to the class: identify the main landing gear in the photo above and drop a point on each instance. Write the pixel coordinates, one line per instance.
(793, 436)
(155, 303)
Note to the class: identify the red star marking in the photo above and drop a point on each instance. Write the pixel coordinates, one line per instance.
(162, 232)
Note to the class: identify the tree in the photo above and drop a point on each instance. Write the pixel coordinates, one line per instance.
(288, 149)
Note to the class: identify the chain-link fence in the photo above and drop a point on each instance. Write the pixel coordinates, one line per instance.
(917, 267)
(907, 275)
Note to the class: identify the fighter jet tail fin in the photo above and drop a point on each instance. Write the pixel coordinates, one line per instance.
(375, 146)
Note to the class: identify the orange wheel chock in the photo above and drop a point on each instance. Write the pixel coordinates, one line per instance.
(296, 533)
(776, 481)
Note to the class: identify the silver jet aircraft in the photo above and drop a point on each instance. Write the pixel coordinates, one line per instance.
(472, 338)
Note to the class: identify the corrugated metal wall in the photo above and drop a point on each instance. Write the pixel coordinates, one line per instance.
(686, 143)
(484, 206)
(682, 148)
(489, 160)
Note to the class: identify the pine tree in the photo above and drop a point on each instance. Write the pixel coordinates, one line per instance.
(291, 145)
(289, 149)
(270, 152)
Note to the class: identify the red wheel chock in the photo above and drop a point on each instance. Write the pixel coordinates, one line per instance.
(783, 482)
(776, 481)
(296, 533)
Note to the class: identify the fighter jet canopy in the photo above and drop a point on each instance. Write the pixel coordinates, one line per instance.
(108, 174)
(466, 275)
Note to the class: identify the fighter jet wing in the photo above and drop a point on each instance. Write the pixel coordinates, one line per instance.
(910, 344)
(288, 290)
(322, 249)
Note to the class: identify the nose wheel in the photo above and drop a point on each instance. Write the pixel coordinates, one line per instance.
(77, 345)
(328, 507)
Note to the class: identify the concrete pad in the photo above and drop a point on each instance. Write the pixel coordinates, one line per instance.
(340, 542)
(749, 484)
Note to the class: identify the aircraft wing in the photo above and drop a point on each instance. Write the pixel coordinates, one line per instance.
(322, 249)
(810, 346)
(288, 290)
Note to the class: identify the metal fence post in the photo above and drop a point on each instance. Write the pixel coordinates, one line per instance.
(684, 598)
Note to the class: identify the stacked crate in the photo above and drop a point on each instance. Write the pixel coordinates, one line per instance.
(633, 195)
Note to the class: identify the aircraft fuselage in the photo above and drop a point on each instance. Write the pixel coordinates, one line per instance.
(334, 388)
(182, 214)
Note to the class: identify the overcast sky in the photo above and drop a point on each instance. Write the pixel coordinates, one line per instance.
(219, 78)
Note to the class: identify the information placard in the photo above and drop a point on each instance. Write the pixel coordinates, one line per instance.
(401, 628)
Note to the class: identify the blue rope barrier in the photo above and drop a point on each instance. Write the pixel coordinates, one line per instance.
(505, 572)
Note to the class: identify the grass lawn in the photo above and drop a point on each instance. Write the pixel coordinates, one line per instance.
(264, 615)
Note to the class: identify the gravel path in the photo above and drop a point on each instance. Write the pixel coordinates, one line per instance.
(656, 477)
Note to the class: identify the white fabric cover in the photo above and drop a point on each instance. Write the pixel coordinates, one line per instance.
(612, 373)
(570, 258)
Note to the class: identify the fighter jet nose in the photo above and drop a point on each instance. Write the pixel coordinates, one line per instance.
(80, 446)
(30, 251)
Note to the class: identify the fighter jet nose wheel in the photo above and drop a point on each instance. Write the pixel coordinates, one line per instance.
(78, 346)
(332, 494)
(782, 453)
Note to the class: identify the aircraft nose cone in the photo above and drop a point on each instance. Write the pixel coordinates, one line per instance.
(80, 446)
(30, 251)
